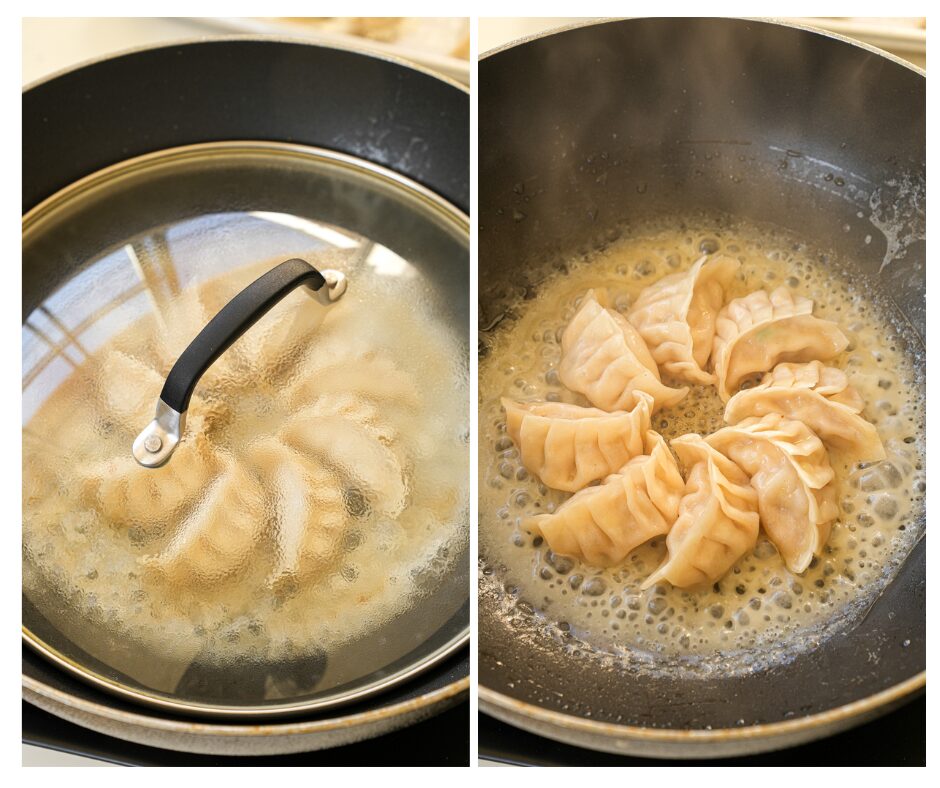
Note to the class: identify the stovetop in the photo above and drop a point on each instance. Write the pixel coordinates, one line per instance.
(443, 740)
(896, 739)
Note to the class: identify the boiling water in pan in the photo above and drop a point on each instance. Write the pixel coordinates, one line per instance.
(319, 494)
(759, 605)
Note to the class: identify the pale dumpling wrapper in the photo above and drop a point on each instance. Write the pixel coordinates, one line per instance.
(219, 536)
(789, 468)
(354, 452)
(130, 495)
(676, 317)
(718, 520)
(821, 398)
(127, 389)
(367, 376)
(604, 358)
(568, 446)
(755, 333)
(602, 525)
(307, 505)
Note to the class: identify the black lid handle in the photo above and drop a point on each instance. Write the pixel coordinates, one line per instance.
(154, 446)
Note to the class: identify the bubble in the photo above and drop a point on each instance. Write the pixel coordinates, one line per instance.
(645, 268)
(886, 507)
(561, 563)
(594, 586)
(869, 481)
(764, 549)
(656, 605)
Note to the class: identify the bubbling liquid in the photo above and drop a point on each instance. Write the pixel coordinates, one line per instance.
(759, 612)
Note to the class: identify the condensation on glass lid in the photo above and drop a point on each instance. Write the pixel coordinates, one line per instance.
(264, 544)
(135, 279)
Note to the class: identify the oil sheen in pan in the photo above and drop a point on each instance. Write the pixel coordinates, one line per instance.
(739, 624)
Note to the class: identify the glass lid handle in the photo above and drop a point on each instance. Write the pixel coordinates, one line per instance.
(154, 446)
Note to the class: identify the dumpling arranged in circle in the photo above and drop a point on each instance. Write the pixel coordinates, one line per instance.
(756, 332)
(568, 446)
(602, 525)
(604, 358)
(789, 468)
(821, 398)
(306, 507)
(219, 536)
(718, 520)
(676, 317)
(129, 495)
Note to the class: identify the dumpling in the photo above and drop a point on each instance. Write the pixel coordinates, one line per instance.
(754, 333)
(369, 467)
(127, 390)
(676, 317)
(789, 468)
(601, 525)
(366, 376)
(129, 495)
(821, 398)
(718, 520)
(217, 538)
(605, 359)
(309, 512)
(568, 446)
(276, 343)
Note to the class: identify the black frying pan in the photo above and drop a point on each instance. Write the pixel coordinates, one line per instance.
(760, 120)
(379, 110)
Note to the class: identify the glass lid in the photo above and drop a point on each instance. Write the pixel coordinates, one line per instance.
(305, 542)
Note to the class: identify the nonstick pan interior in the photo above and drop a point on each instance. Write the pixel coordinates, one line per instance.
(590, 128)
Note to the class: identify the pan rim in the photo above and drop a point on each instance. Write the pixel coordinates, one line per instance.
(499, 701)
(365, 51)
(770, 20)
(443, 210)
(222, 730)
